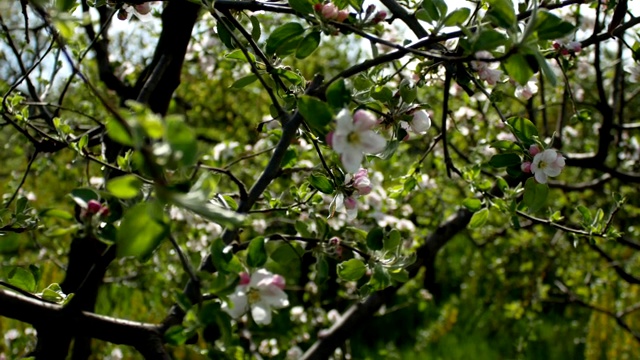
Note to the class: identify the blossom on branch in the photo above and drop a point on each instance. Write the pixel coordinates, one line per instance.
(260, 293)
(353, 138)
(486, 70)
(527, 91)
(548, 163)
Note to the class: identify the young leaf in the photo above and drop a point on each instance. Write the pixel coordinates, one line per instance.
(535, 195)
(457, 17)
(244, 81)
(124, 187)
(142, 229)
(479, 218)
(518, 68)
(338, 96)
(550, 26)
(256, 253)
(351, 270)
(524, 129)
(322, 183)
(502, 13)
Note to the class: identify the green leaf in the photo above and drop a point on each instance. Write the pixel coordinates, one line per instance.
(256, 31)
(524, 129)
(322, 270)
(322, 183)
(457, 16)
(141, 231)
(375, 238)
(380, 278)
(489, 39)
(315, 112)
(22, 278)
(504, 160)
(502, 13)
(282, 35)
(434, 10)
(304, 7)
(479, 218)
(393, 240)
(351, 270)
(518, 68)
(586, 214)
(308, 45)
(535, 195)
(237, 54)
(472, 204)
(118, 133)
(244, 81)
(338, 96)
(224, 34)
(546, 69)
(505, 145)
(56, 213)
(389, 149)
(550, 26)
(223, 258)
(382, 93)
(82, 196)
(197, 203)
(256, 252)
(65, 5)
(124, 187)
(182, 140)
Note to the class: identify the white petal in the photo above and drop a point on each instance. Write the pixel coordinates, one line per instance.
(541, 177)
(549, 156)
(239, 302)
(352, 214)
(364, 120)
(274, 297)
(560, 161)
(372, 142)
(552, 170)
(261, 314)
(351, 160)
(259, 276)
(340, 142)
(344, 121)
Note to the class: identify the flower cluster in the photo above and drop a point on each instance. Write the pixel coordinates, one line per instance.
(486, 70)
(260, 293)
(567, 48)
(547, 163)
(356, 185)
(353, 138)
(95, 208)
(331, 12)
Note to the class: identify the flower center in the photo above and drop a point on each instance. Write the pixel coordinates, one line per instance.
(253, 296)
(353, 137)
(542, 165)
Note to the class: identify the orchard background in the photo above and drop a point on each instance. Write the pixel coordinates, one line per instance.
(304, 180)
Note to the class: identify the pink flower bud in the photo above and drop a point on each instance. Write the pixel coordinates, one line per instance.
(362, 183)
(104, 211)
(533, 150)
(93, 207)
(370, 9)
(329, 11)
(334, 241)
(342, 15)
(380, 16)
(318, 7)
(245, 279)
(362, 173)
(329, 138)
(526, 167)
(350, 203)
(564, 52)
(364, 119)
(143, 9)
(278, 281)
(421, 122)
(574, 46)
(556, 45)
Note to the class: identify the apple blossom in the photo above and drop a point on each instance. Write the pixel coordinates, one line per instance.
(545, 164)
(141, 11)
(342, 15)
(527, 91)
(362, 183)
(485, 69)
(261, 294)
(526, 167)
(421, 122)
(353, 137)
(534, 149)
(329, 11)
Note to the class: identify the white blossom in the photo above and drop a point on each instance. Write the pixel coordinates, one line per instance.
(262, 293)
(353, 137)
(545, 164)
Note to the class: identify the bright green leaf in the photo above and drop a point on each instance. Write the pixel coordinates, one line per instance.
(479, 218)
(256, 253)
(351, 270)
(281, 35)
(535, 195)
(322, 183)
(141, 231)
(124, 187)
(308, 45)
(244, 81)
